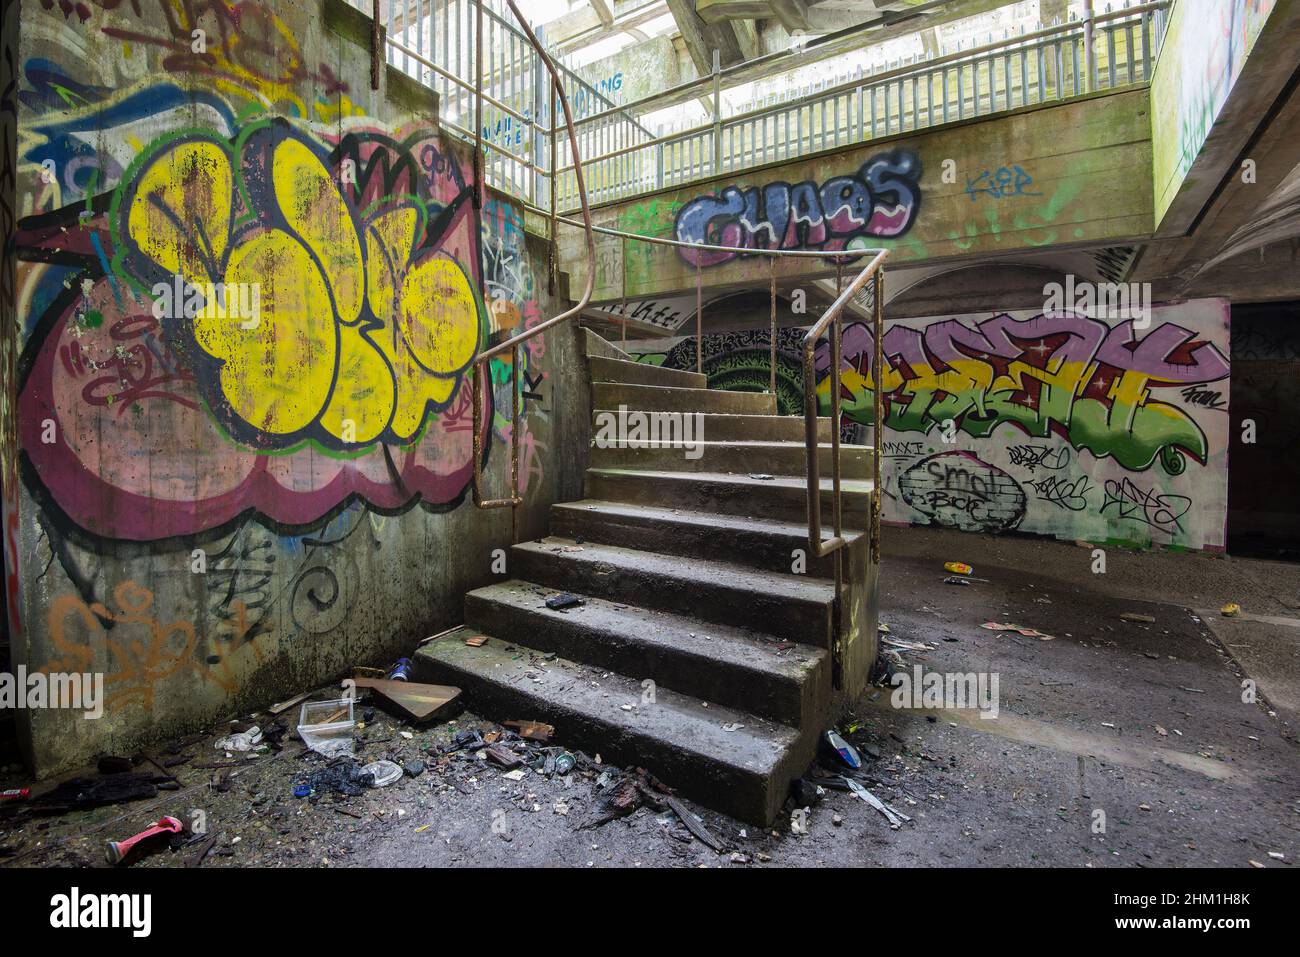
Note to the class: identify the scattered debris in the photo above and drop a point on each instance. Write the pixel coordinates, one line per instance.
(420, 701)
(1018, 629)
(383, 772)
(840, 750)
(895, 818)
(327, 727)
(562, 601)
(532, 730)
(1230, 610)
(341, 776)
(958, 568)
(476, 641)
(243, 741)
(1136, 616)
(762, 476)
(117, 851)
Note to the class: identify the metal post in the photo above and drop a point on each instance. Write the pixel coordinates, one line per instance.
(699, 317)
(1089, 53)
(878, 376)
(376, 46)
(478, 104)
(717, 112)
(772, 262)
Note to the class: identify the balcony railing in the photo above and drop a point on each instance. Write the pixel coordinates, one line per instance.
(1109, 51)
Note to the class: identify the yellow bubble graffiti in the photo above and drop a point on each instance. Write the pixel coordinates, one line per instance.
(358, 331)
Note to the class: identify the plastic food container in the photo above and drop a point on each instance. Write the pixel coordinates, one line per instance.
(327, 726)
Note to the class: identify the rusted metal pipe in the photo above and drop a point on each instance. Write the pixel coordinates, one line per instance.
(481, 362)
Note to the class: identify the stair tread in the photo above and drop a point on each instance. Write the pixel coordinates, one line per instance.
(702, 571)
(679, 721)
(605, 364)
(687, 516)
(744, 443)
(665, 630)
(736, 478)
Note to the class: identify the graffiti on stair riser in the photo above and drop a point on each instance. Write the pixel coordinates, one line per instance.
(880, 201)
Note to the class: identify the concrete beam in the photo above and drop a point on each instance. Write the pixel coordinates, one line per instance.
(703, 38)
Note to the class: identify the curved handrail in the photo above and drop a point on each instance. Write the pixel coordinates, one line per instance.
(512, 345)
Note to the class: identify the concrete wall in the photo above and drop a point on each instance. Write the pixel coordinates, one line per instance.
(1201, 58)
(1073, 173)
(1054, 424)
(216, 513)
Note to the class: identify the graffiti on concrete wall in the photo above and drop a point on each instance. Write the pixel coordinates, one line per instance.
(210, 483)
(880, 200)
(364, 250)
(1201, 58)
(1059, 423)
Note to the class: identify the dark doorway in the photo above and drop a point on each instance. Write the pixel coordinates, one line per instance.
(1264, 476)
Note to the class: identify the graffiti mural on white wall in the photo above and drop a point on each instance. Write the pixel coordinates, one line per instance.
(1057, 424)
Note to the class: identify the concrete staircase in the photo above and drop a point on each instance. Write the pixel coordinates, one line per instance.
(697, 652)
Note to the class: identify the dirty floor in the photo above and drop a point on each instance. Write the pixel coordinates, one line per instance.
(1117, 743)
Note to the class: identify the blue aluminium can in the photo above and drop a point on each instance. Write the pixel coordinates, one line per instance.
(401, 671)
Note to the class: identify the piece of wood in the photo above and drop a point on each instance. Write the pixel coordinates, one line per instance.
(532, 730)
(695, 827)
(417, 700)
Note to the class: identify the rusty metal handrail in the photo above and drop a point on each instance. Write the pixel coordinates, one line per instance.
(874, 271)
(512, 345)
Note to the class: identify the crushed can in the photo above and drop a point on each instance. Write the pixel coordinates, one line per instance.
(401, 671)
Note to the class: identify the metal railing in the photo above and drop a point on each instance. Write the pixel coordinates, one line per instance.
(512, 345)
(438, 42)
(872, 272)
(1107, 51)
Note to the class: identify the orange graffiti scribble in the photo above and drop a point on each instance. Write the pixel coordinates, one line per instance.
(144, 650)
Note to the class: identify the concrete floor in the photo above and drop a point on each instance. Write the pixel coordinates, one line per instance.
(1143, 722)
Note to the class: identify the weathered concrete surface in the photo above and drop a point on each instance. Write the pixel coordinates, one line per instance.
(1084, 178)
(213, 516)
(1220, 67)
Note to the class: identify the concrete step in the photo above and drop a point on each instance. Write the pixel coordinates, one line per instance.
(773, 458)
(720, 427)
(785, 605)
(596, 345)
(758, 542)
(745, 772)
(784, 498)
(787, 682)
(642, 373)
(656, 398)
